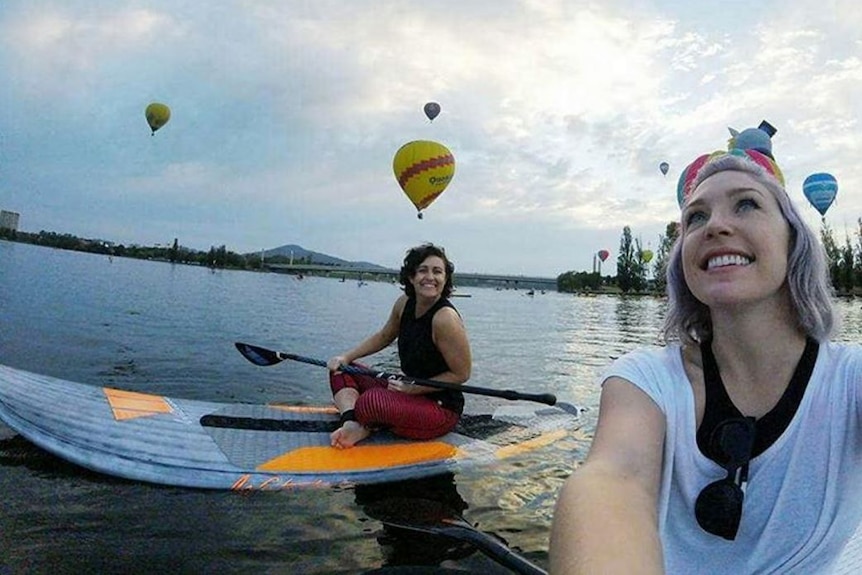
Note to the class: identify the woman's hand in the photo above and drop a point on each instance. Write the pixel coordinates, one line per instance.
(402, 386)
(335, 363)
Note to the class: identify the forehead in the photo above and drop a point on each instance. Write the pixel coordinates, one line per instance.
(433, 262)
(720, 183)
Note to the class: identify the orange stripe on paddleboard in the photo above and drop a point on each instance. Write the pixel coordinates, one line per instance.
(360, 457)
(131, 404)
(530, 444)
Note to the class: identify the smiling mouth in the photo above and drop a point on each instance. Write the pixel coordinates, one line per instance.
(725, 261)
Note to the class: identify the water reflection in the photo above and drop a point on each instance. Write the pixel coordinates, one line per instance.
(637, 320)
(400, 500)
(423, 527)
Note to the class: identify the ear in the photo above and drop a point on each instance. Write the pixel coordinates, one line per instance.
(733, 132)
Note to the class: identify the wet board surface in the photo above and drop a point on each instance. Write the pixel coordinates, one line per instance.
(212, 445)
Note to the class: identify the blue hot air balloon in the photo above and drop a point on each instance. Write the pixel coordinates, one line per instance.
(820, 189)
(664, 167)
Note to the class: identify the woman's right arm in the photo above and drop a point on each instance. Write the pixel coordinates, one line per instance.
(606, 518)
(376, 341)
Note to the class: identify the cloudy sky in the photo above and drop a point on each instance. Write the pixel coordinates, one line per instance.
(286, 116)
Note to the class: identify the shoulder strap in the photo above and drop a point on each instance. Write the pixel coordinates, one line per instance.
(772, 425)
(717, 404)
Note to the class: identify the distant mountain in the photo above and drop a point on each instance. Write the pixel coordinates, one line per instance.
(300, 253)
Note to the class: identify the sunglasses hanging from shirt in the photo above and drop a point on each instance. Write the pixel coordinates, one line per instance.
(718, 508)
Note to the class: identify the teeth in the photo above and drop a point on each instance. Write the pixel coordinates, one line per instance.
(721, 261)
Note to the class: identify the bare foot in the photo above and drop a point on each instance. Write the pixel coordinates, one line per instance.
(348, 435)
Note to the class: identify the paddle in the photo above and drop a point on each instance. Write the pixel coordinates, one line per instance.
(262, 356)
(435, 518)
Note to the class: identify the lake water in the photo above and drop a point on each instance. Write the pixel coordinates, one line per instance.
(169, 329)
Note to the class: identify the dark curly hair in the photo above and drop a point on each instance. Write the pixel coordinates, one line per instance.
(415, 257)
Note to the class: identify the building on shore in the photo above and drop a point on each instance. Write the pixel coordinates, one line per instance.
(9, 220)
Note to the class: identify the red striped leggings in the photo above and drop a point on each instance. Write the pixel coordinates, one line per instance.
(405, 415)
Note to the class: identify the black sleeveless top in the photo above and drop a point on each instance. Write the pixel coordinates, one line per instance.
(419, 356)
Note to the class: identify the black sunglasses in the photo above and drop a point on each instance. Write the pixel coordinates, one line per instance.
(718, 508)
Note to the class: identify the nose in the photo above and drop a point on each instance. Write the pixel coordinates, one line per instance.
(719, 223)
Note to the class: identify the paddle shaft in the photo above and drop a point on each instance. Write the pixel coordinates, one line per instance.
(263, 356)
(545, 398)
(494, 549)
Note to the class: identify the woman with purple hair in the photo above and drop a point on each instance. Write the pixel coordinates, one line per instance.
(737, 447)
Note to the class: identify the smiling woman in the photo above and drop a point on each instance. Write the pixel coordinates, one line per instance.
(432, 344)
(717, 441)
(723, 271)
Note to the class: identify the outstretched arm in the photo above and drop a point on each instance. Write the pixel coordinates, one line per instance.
(606, 518)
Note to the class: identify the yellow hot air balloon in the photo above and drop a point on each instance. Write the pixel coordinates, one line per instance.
(423, 170)
(647, 256)
(157, 116)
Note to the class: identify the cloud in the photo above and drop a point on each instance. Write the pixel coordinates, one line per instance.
(55, 51)
(286, 116)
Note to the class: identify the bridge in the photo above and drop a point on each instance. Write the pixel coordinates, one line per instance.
(462, 279)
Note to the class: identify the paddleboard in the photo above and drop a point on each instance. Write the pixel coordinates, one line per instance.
(238, 446)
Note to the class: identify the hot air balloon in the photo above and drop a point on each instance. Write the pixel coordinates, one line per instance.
(646, 255)
(603, 254)
(423, 170)
(664, 167)
(157, 116)
(759, 138)
(432, 109)
(820, 189)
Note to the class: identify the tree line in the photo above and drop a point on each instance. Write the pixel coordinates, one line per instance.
(844, 260)
(216, 257)
(634, 273)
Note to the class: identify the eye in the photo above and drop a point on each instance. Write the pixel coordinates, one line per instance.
(694, 218)
(747, 204)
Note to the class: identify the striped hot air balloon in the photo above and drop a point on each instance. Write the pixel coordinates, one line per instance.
(820, 189)
(423, 170)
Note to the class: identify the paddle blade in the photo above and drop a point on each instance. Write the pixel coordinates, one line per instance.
(258, 355)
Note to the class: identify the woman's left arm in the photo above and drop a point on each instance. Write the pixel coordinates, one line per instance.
(450, 337)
